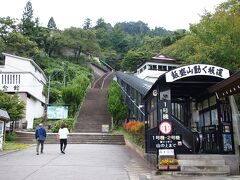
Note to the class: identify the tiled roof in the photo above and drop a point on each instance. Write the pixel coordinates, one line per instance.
(140, 85)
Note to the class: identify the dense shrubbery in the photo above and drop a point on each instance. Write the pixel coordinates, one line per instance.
(136, 130)
(54, 125)
(115, 104)
(68, 122)
(10, 136)
(74, 93)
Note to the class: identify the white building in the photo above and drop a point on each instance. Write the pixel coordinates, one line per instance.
(24, 77)
(151, 69)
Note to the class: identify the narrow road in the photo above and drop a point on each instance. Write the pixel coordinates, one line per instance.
(81, 162)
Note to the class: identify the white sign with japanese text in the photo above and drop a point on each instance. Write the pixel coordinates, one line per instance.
(197, 70)
(166, 152)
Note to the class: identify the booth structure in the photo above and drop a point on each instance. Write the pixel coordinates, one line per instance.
(4, 117)
(190, 110)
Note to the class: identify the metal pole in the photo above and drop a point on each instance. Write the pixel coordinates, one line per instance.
(49, 83)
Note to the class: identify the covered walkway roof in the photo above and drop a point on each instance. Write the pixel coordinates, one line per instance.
(142, 86)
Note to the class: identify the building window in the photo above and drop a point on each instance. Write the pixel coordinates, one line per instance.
(208, 111)
(162, 68)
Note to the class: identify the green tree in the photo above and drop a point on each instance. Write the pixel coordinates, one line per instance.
(81, 41)
(74, 93)
(13, 105)
(215, 40)
(115, 104)
(132, 60)
(7, 25)
(134, 28)
(27, 23)
(101, 24)
(20, 45)
(87, 23)
(53, 43)
(120, 40)
(51, 24)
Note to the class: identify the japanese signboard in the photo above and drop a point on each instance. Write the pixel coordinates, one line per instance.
(166, 152)
(197, 70)
(57, 112)
(167, 142)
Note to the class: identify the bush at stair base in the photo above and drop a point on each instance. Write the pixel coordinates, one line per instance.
(116, 106)
(68, 122)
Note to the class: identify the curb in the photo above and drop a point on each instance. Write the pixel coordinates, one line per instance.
(134, 148)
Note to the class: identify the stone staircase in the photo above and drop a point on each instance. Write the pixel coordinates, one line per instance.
(92, 120)
(204, 164)
(93, 112)
(73, 138)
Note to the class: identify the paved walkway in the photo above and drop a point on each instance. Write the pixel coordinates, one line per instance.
(81, 162)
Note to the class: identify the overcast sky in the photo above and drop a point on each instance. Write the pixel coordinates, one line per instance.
(170, 14)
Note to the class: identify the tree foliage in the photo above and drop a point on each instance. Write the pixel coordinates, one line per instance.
(74, 93)
(51, 24)
(13, 105)
(133, 59)
(115, 104)
(215, 40)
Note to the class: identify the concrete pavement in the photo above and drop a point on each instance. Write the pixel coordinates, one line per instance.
(83, 162)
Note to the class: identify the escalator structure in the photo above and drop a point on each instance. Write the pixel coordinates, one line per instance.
(190, 140)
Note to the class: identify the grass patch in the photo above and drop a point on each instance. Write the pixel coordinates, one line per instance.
(10, 146)
(128, 136)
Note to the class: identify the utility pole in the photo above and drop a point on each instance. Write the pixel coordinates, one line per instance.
(64, 74)
(49, 83)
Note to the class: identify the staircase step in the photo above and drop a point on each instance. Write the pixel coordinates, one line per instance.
(73, 138)
(206, 168)
(194, 173)
(202, 164)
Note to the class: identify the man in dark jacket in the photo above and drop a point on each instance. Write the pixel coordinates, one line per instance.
(40, 136)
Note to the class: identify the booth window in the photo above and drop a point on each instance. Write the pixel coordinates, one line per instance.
(208, 112)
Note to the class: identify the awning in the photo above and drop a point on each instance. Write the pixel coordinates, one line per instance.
(227, 87)
(4, 115)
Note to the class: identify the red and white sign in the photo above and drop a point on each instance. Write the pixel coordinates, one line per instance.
(165, 127)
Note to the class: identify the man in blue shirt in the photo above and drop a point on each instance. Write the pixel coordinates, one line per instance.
(40, 136)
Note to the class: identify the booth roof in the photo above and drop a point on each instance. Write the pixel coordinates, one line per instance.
(4, 115)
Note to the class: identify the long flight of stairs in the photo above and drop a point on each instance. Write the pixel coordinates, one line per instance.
(92, 120)
(93, 115)
(93, 112)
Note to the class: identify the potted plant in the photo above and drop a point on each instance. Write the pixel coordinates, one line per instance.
(163, 165)
(173, 165)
